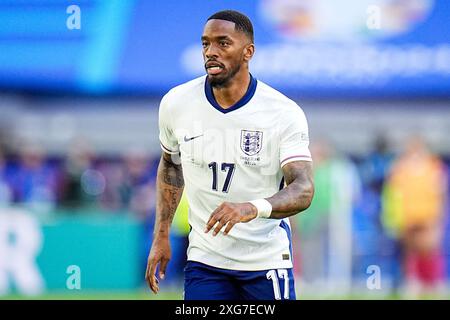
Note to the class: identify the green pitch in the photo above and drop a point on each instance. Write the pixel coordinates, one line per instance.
(99, 295)
(172, 296)
(177, 294)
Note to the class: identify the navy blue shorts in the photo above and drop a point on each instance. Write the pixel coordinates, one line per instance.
(203, 282)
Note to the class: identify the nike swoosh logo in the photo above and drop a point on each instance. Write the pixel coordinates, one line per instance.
(191, 138)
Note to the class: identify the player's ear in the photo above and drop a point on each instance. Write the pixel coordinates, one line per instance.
(249, 51)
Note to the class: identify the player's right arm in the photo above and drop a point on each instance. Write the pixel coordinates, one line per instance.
(169, 188)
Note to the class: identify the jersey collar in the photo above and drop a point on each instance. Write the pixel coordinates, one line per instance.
(243, 101)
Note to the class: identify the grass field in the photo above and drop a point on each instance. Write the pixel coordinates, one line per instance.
(99, 295)
(177, 295)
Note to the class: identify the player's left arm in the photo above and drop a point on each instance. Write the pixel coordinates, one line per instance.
(294, 198)
(298, 194)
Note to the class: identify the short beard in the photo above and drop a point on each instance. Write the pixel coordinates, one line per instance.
(223, 83)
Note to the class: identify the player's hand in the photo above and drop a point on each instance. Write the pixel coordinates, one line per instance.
(159, 254)
(229, 214)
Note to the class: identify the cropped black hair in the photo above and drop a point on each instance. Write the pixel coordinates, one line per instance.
(241, 21)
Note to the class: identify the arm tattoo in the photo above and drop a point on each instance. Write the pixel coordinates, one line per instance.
(298, 194)
(169, 188)
(171, 173)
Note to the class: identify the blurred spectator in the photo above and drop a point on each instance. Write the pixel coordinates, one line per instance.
(81, 183)
(376, 165)
(34, 183)
(5, 192)
(324, 230)
(371, 245)
(137, 191)
(413, 199)
(130, 184)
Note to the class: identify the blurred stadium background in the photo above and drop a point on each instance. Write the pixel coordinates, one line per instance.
(79, 94)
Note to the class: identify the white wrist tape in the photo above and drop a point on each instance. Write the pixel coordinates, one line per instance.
(264, 207)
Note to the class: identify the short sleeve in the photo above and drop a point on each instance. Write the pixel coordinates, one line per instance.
(294, 140)
(167, 139)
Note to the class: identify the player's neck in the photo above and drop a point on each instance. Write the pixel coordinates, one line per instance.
(234, 91)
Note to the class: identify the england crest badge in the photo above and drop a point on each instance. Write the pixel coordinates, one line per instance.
(251, 142)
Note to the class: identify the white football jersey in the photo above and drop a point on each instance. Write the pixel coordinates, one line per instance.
(234, 155)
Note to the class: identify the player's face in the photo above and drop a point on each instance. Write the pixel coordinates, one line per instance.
(224, 51)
